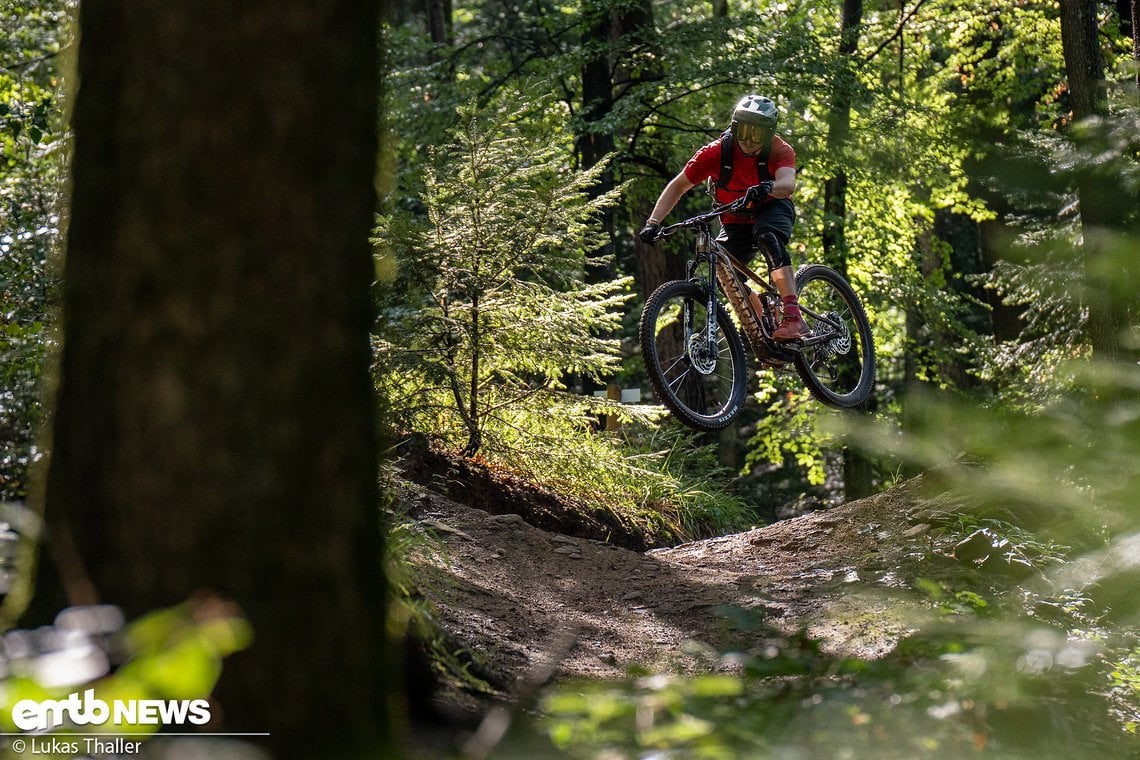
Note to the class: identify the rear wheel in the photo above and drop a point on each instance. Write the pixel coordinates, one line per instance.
(840, 370)
(702, 381)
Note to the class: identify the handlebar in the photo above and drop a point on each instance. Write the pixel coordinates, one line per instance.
(704, 218)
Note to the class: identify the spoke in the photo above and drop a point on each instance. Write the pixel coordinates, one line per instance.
(665, 371)
(703, 404)
(680, 379)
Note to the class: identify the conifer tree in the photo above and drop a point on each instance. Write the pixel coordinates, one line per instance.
(504, 311)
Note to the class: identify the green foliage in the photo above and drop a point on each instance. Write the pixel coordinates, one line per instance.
(1058, 482)
(31, 148)
(171, 654)
(22, 349)
(789, 431)
(1046, 274)
(943, 94)
(498, 311)
(950, 692)
(653, 477)
(491, 316)
(1029, 369)
(1125, 691)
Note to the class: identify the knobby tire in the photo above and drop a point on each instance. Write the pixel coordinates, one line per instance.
(678, 383)
(836, 377)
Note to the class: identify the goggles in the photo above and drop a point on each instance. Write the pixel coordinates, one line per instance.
(753, 133)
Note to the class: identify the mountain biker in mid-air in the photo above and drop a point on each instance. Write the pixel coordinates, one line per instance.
(748, 155)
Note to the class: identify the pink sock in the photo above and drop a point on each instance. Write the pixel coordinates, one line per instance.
(791, 307)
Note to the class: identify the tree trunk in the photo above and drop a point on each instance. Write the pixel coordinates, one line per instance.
(857, 470)
(1083, 65)
(1085, 72)
(653, 264)
(214, 424)
(596, 141)
(838, 133)
(439, 26)
(1136, 38)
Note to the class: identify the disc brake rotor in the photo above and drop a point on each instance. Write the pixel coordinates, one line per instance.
(704, 360)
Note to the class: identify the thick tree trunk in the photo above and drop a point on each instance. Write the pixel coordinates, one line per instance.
(214, 424)
(637, 58)
(1083, 65)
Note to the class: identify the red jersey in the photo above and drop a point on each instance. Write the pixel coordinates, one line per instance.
(705, 164)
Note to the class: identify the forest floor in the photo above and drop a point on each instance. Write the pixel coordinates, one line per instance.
(532, 603)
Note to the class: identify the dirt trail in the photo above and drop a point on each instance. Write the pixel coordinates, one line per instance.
(523, 597)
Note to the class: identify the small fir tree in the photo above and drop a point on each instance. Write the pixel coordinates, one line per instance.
(497, 312)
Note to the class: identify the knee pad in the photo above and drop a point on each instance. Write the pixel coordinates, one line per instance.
(773, 249)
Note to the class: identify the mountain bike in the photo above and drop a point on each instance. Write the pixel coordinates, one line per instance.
(694, 352)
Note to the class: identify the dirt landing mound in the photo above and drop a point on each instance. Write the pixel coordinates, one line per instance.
(521, 596)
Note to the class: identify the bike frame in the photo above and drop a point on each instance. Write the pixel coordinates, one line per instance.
(823, 357)
(711, 253)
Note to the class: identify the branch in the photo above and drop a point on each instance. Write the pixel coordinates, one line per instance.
(516, 398)
(655, 110)
(896, 34)
(25, 65)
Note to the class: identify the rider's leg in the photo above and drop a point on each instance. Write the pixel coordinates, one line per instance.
(737, 238)
(792, 325)
(771, 232)
(779, 261)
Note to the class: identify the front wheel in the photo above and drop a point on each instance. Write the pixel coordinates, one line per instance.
(837, 361)
(699, 374)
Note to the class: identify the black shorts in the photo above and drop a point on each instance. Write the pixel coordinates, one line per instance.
(777, 216)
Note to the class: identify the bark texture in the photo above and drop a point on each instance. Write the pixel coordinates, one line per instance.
(1087, 98)
(214, 426)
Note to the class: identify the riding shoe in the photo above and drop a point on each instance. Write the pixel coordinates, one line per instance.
(791, 328)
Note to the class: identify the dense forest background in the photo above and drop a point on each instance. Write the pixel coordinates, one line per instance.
(953, 159)
(972, 167)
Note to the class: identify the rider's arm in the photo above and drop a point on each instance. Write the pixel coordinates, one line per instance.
(672, 193)
(784, 183)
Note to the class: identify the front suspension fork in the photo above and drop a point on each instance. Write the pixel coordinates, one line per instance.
(704, 249)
